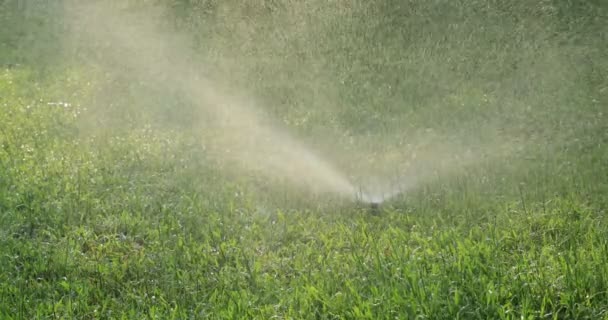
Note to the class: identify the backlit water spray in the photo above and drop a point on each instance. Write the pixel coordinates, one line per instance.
(238, 134)
(235, 132)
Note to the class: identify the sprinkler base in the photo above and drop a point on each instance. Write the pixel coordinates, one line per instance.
(374, 208)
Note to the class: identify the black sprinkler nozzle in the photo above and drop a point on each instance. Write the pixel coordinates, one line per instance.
(374, 208)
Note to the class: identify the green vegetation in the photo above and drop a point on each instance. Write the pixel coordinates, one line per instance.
(112, 208)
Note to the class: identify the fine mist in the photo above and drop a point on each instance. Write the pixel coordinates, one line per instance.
(239, 131)
(242, 136)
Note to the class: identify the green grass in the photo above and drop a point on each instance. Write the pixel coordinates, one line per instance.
(110, 208)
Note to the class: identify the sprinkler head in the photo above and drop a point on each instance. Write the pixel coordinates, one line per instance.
(374, 208)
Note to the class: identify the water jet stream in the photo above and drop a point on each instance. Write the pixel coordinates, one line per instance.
(239, 135)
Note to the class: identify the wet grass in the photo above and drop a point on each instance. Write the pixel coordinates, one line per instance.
(136, 225)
